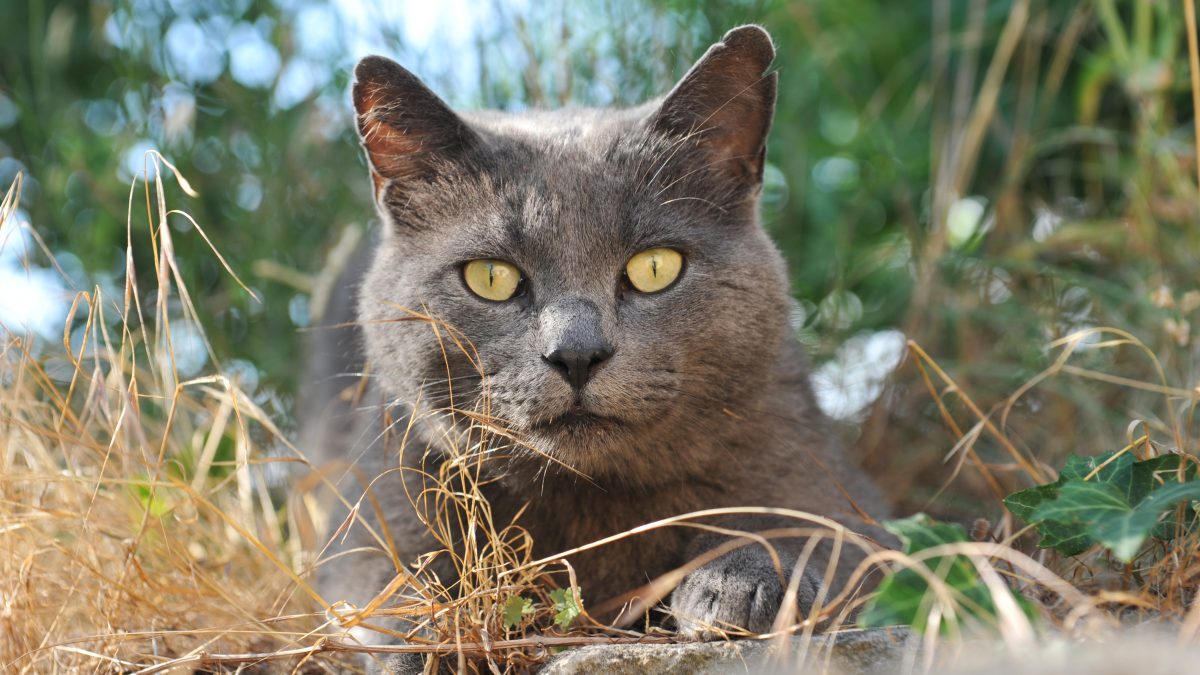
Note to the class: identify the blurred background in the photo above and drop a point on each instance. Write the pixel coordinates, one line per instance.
(982, 177)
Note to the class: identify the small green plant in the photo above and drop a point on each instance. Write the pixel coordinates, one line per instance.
(905, 598)
(1114, 500)
(516, 608)
(152, 501)
(568, 604)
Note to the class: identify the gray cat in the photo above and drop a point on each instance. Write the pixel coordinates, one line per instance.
(630, 316)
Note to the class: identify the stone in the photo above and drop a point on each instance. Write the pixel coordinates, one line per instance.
(851, 652)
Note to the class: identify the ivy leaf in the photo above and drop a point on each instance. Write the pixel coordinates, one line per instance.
(1125, 534)
(1066, 522)
(1119, 507)
(1118, 472)
(1069, 539)
(1105, 468)
(1081, 502)
(1149, 474)
(515, 609)
(1062, 526)
(567, 606)
(904, 597)
(1022, 504)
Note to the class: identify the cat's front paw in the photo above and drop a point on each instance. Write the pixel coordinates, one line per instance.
(740, 591)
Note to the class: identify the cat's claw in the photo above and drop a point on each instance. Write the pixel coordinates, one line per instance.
(740, 591)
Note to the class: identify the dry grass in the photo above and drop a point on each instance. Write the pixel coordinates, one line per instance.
(144, 526)
(142, 530)
(127, 541)
(1162, 584)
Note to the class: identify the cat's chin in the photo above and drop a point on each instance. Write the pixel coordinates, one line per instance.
(579, 437)
(576, 421)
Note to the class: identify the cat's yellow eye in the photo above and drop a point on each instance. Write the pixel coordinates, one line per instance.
(492, 279)
(654, 269)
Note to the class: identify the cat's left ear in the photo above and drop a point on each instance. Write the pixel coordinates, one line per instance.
(724, 105)
(408, 132)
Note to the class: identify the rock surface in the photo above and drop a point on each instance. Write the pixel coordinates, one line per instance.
(863, 652)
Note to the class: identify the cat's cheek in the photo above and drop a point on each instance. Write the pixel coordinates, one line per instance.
(523, 388)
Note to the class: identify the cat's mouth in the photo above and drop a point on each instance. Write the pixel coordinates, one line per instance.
(575, 420)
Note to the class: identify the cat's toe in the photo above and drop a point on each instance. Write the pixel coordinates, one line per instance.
(731, 595)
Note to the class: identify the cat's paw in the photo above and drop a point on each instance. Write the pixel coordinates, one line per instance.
(740, 591)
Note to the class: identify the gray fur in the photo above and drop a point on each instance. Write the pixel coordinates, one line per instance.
(705, 401)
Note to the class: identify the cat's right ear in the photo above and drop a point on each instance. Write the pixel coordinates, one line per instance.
(724, 105)
(408, 132)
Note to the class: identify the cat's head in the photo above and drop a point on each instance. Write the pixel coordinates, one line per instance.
(612, 298)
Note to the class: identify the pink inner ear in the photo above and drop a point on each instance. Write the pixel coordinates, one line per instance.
(394, 153)
(408, 132)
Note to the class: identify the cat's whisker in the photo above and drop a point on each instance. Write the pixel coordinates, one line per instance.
(357, 377)
(699, 199)
(445, 386)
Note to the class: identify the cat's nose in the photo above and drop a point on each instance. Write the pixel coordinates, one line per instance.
(573, 339)
(577, 361)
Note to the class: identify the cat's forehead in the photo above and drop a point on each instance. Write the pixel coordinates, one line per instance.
(556, 212)
(581, 175)
(566, 192)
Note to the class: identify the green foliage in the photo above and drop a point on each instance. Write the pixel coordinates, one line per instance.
(905, 598)
(154, 501)
(516, 608)
(1113, 500)
(1076, 208)
(568, 605)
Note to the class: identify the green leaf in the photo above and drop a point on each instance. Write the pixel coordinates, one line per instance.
(1068, 539)
(567, 606)
(904, 597)
(920, 532)
(1083, 502)
(1022, 504)
(1119, 472)
(1149, 474)
(1066, 522)
(1095, 498)
(1126, 534)
(1113, 471)
(515, 609)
